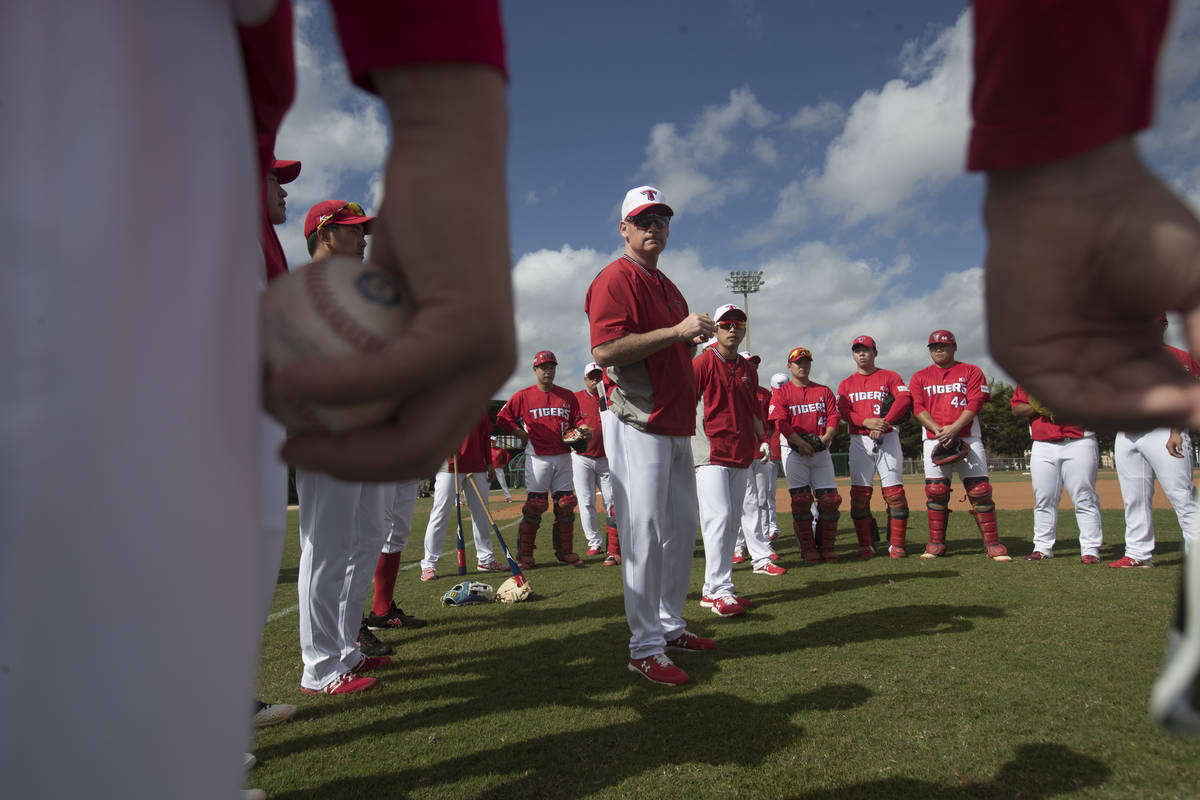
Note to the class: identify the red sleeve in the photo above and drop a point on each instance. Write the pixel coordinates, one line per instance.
(845, 410)
(978, 392)
(576, 411)
(831, 404)
(506, 420)
(917, 390)
(1019, 397)
(377, 34)
(1055, 78)
(903, 402)
(608, 308)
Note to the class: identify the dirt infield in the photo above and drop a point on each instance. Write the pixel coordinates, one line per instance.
(1014, 494)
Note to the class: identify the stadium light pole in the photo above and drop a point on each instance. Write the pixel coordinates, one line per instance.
(746, 282)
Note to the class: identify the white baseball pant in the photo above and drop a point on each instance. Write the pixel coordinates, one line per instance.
(881, 456)
(588, 474)
(129, 407)
(772, 519)
(341, 534)
(548, 473)
(752, 533)
(443, 511)
(1071, 463)
(400, 514)
(973, 466)
(815, 470)
(654, 491)
(721, 493)
(503, 481)
(1140, 458)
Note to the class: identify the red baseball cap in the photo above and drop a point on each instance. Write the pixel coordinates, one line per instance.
(544, 357)
(799, 353)
(285, 171)
(336, 212)
(865, 341)
(942, 337)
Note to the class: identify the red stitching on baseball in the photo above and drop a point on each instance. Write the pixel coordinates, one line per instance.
(322, 297)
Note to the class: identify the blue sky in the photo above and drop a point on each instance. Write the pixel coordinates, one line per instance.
(820, 142)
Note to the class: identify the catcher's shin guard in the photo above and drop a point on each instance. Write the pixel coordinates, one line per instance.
(536, 504)
(828, 503)
(979, 492)
(937, 493)
(614, 547)
(860, 515)
(802, 523)
(564, 528)
(897, 511)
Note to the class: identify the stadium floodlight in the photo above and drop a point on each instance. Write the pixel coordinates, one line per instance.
(746, 282)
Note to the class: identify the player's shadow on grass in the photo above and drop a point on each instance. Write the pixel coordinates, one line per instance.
(820, 584)
(662, 731)
(1036, 771)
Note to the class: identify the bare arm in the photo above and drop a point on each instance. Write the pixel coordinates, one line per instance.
(634, 347)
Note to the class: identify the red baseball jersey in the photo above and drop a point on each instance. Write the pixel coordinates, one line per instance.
(859, 397)
(726, 410)
(658, 393)
(546, 417)
(475, 453)
(945, 393)
(1184, 358)
(1044, 429)
(500, 457)
(803, 409)
(589, 410)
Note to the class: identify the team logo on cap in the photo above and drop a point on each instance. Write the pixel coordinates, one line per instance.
(650, 194)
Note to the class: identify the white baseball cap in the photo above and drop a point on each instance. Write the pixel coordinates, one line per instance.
(639, 199)
(746, 354)
(726, 309)
(592, 367)
(778, 379)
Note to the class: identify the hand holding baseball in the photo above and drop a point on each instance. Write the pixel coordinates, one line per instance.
(443, 226)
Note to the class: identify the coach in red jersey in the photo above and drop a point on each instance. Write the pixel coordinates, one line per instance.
(642, 331)
(805, 413)
(591, 471)
(947, 398)
(545, 412)
(873, 401)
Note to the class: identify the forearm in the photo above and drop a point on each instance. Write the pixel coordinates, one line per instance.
(633, 347)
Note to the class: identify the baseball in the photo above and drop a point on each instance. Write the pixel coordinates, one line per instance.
(330, 309)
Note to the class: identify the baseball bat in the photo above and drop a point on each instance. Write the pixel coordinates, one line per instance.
(462, 548)
(512, 564)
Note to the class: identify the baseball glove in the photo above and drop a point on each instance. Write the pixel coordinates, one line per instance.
(814, 441)
(1040, 409)
(510, 592)
(470, 592)
(943, 455)
(575, 439)
(885, 403)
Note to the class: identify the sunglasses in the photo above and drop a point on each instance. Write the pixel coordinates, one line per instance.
(647, 220)
(731, 324)
(352, 207)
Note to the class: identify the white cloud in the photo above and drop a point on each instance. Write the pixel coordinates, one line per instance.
(824, 116)
(684, 163)
(338, 132)
(815, 294)
(899, 145)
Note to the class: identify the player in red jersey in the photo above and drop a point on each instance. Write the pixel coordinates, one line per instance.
(590, 469)
(755, 529)
(500, 459)
(546, 412)
(947, 396)
(873, 401)
(805, 413)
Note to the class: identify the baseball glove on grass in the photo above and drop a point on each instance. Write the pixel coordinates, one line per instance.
(510, 592)
(943, 455)
(470, 592)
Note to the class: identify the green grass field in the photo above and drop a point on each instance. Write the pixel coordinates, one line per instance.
(955, 678)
